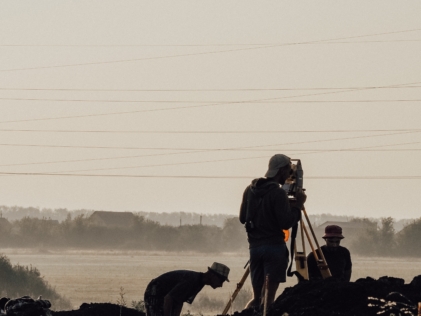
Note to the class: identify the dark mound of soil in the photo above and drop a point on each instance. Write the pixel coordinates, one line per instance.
(364, 297)
(100, 309)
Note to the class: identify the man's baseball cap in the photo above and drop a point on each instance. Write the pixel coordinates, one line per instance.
(220, 269)
(275, 163)
(333, 231)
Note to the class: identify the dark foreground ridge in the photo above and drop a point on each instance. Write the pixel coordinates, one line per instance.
(364, 297)
(386, 296)
(100, 309)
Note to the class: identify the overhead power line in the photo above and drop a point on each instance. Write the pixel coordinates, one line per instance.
(206, 90)
(210, 102)
(285, 150)
(199, 45)
(225, 160)
(210, 132)
(367, 148)
(205, 53)
(208, 177)
(217, 149)
(199, 106)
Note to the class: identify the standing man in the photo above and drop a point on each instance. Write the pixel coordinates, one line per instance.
(266, 211)
(165, 295)
(338, 258)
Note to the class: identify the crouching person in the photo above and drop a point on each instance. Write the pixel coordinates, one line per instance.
(165, 295)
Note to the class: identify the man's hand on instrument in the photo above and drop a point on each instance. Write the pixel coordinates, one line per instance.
(300, 197)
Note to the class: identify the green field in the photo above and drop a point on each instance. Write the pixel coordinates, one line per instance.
(88, 276)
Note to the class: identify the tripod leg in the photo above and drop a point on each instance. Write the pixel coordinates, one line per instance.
(301, 257)
(322, 264)
(316, 256)
(237, 290)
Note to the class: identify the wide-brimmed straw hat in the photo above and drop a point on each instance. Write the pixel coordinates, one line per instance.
(220, 269)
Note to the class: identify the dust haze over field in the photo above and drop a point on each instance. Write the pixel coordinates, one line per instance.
(96, 276)
(88, 261)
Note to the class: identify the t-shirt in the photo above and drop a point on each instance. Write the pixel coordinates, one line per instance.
(338, 260)
(181, 285)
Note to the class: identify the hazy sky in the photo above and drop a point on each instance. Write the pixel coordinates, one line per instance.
(177, 105)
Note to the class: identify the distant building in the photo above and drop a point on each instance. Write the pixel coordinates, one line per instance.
(112, 219)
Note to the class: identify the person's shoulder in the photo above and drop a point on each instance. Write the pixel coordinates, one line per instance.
(190, 273)
(174, 273)
(344, 250)
(276, 189)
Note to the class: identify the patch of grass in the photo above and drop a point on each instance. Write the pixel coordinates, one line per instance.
(139, 306)
(207, 303)
(20, 280)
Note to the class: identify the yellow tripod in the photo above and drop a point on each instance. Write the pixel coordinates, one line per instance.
(301, 258)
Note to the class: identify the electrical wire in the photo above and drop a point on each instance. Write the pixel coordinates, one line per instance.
(220, 160)
(203, 150)
(193, 45)
(208, 177)
(196, 106)
(205, 53)
(216, 149)
(202, 90)
(207, 102)
(211, 132)
(189, 151)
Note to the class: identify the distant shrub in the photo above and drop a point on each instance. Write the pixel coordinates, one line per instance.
(17, 281)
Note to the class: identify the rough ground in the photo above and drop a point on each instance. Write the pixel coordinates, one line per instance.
(100, 309)
(386, 296)
(364, 297)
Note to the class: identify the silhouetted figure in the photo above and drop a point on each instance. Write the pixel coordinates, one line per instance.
(338, 258)
(165, 295)
(266, 211)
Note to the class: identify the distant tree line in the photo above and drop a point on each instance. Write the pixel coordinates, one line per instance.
(165, 218)
(142, 234)
(380, 239)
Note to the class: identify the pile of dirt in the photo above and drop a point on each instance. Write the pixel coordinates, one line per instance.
(364, 297)
(100, 309)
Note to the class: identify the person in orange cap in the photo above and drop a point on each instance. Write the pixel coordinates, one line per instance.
(338, 258)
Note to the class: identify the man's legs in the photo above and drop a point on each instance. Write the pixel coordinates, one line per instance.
(257, 276)
(272, 288)
(265, 260)
(275, 266)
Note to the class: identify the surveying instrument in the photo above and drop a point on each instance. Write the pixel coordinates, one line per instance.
(292, 184)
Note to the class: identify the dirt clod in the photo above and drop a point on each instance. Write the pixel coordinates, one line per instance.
(100, 309)
(332, 297)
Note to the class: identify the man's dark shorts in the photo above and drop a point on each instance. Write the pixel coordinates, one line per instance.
(268, 259)
(154, 303)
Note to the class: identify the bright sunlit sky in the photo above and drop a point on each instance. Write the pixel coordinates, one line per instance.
(169, 106)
